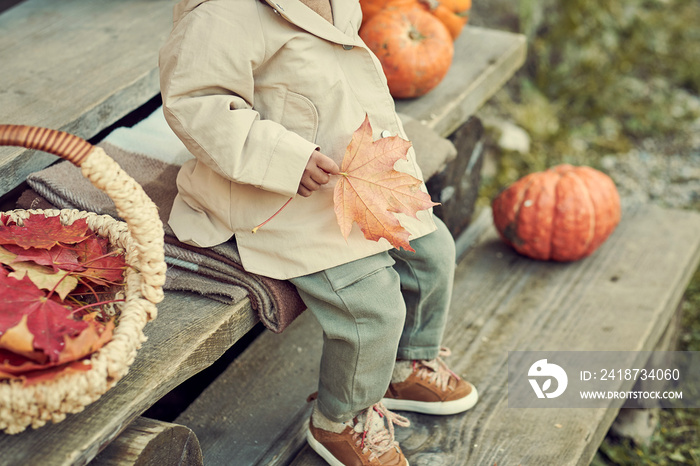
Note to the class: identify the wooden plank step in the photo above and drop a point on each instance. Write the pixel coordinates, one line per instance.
(253, 412)
(620, 298)
(77, 66)
(190, 333)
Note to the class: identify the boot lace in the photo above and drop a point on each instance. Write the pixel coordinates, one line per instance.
(374, 430)
(436, 371)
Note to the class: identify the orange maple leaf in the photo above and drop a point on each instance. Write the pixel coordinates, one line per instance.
(370, 191)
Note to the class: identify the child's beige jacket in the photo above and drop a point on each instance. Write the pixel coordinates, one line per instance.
(252, 90)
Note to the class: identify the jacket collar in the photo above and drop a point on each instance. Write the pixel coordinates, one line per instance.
(300, 15)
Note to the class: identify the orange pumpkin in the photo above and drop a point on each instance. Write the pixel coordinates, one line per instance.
(562, 214)
(458, 7)
(414, 48)
(454, 14)
(372, 7)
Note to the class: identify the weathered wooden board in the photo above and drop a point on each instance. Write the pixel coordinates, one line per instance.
(190, 333)
(246, 413)
(620, 298)
(75, 65)
(148, 442)
(484, 60)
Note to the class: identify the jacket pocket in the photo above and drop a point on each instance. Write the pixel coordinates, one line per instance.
(300, 115)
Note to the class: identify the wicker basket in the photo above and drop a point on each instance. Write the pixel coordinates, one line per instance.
(141, 237)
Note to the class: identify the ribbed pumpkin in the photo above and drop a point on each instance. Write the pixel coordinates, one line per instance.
(372, 7)
(414, 48)
(454, 14)
(458, 7)
(561, 214)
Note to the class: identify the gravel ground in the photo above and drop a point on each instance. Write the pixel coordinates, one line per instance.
(646, 176)
(641, 176)
(663, 171)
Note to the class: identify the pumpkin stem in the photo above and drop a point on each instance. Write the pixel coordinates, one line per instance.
(415, 34)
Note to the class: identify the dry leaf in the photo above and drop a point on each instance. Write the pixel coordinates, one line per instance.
(59, 257)
(101, 267)
(370, 191)
(47, 320)
(39, 231)
(41, 335)
(14, 365)
(44, 278)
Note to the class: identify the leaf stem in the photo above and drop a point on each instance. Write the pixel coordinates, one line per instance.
(273, 215)
(60, 280)
(87, 285)
(116, 252)
(98, 304)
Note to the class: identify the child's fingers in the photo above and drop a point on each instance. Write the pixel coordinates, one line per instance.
(328, 165)
(307, 185)
(302, 191)
(317, 173)
(310, 183)
(320, 176)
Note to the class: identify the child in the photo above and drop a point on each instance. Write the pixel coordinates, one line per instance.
(267, 95)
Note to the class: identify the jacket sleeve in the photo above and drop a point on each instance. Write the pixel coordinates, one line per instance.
(206, 74)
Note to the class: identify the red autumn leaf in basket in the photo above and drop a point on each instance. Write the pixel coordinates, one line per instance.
(39, 375)
(13, 365)
(94, 246)
(58, 257)
(33, 319)
(96, 335)
(370, 191)
(58, 281)
(102, 267)
(43, 232)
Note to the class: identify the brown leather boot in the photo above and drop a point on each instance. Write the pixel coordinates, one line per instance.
(431, 388)
(365, 441)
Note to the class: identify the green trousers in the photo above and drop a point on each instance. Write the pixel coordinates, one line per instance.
(375, 310)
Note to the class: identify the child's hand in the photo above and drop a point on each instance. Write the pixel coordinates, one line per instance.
(317, 173)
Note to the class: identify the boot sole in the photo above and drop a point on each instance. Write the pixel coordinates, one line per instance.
(433, 407)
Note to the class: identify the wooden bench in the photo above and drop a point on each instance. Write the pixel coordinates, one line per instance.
(80, 66)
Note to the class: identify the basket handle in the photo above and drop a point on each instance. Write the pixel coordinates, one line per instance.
(65, 145)
(133, 205)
